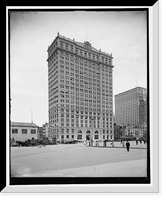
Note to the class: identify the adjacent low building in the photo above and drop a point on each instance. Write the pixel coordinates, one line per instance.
(139, 131)
(22, 131)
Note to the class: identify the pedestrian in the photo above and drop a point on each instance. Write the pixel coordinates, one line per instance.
(127, 145)
(123, 144)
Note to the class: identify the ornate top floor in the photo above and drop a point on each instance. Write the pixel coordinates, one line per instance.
(81, 49)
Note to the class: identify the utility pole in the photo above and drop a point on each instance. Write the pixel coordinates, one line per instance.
(31, 116)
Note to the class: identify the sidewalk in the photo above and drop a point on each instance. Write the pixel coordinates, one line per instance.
(120, 145)
(77, 160)
(136, 168)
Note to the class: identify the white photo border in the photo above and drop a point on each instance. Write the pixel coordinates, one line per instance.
(153, 187)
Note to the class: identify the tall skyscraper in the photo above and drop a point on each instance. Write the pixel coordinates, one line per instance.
(80, 91)
(131, 107)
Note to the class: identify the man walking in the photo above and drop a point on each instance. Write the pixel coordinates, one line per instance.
(127, 145)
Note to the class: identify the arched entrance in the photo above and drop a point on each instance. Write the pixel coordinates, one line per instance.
(88, 135)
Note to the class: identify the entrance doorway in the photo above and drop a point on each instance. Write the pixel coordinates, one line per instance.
(87, 137)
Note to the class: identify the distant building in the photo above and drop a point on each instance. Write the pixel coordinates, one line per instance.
(80, 82)
(113, 119)
(131, 107)
(44, 131)
(40, 132)
(22, 131)
(137, 132)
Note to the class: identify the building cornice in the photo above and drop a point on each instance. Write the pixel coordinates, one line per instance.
(84, 46)
(81, 45)
(72, 52)
(129, 91)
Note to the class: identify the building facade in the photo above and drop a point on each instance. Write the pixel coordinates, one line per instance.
(43, 131)
(131, 107)
(46, 130)
(137, 132)
(80, 91)
(22, 131)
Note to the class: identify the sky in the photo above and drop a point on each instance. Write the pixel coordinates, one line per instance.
(121, 33)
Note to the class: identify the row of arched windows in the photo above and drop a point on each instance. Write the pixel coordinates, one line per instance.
(88, 131)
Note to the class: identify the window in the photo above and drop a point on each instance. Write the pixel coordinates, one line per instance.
(24, 131)
(79, 137)
(76, 50)
(71, 47)
(66, 45)
(61, 44)
(33, 131)
(14, 130)
(96, 137)
(89, 55)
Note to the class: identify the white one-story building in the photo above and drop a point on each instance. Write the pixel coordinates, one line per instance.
(22, 131)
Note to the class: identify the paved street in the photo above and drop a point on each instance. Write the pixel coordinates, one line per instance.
(76, 160)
